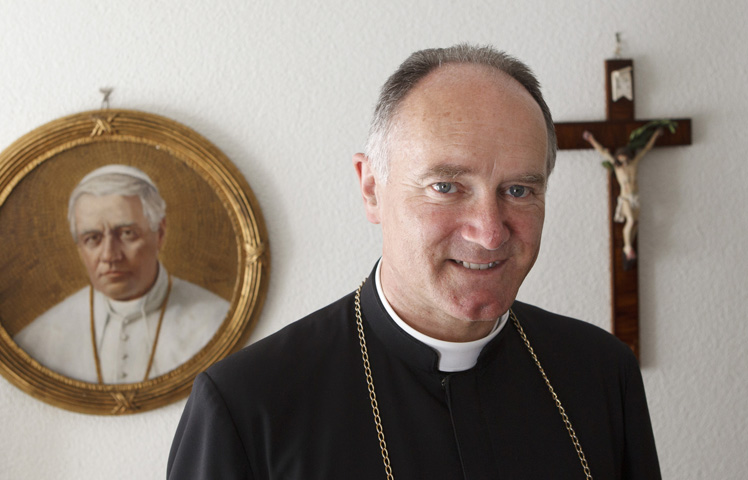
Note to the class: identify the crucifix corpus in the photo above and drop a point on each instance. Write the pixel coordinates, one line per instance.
(629, 140)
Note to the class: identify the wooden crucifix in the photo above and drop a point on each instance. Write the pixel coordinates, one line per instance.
(613, 133)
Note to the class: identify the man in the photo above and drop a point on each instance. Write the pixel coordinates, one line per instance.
(135, 321)
(422, 372)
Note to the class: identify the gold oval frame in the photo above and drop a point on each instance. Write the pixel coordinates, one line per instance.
(135, 129)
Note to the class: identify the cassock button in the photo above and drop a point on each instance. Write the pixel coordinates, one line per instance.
(124, 337)
(123, 375)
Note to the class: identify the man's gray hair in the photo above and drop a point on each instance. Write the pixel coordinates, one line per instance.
(154, 207)
(418, 66)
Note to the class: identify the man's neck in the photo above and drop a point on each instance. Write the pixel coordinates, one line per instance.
(454, 356)
(427, 319)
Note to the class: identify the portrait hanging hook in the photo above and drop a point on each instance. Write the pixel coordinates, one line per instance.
(106, 91)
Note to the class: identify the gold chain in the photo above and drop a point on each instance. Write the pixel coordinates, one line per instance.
(564, 417)
(375, 407)
(99, 376)
(370, 383)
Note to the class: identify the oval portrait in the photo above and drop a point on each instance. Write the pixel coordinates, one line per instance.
(134, 256)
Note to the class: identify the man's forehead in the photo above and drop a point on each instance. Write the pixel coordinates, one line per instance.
(459, 92)
(460, 111)
(92, 207)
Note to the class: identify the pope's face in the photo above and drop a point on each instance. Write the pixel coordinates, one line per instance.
(117, 246)
(463, 206)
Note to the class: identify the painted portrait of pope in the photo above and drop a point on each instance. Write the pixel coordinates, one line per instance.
(135, 320)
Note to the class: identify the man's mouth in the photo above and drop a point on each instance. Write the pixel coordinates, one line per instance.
(113, 273)
(477, 266)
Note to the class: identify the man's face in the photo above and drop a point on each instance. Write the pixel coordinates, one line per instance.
(463, 207)
(117, 246)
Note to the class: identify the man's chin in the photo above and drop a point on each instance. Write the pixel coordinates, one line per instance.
(482, 308)
(484, 314)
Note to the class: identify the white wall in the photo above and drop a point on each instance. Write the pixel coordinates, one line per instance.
(286, 88)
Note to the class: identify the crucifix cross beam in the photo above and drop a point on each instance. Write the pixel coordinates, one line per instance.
(612, 133)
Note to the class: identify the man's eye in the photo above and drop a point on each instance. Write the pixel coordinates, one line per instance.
(444, 187)
(518, 191)
(91, 240)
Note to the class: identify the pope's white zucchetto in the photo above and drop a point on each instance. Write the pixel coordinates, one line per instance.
(121, 170)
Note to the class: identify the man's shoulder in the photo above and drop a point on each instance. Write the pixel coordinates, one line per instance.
(560, 333)
(193, 315)
(76, 301)
(188, 292)
(55, 338)
(73, 306)
(298, 346)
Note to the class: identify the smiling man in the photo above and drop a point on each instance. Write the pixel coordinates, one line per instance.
(135, 321)
(431, 369)
(462, 204)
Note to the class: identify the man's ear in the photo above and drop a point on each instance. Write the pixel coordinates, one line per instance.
(161, 233)
(368, 182)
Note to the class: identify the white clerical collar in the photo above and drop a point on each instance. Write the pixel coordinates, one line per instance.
(453, 356)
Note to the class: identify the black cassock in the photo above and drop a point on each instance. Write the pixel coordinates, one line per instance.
(296, 406)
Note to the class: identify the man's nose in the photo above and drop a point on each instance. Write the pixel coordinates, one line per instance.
(111, 249)
(486, 223)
